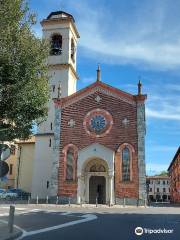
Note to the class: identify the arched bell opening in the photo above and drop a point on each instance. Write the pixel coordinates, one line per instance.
(56, 44)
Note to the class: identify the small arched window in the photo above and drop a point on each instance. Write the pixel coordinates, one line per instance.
(56, 44)
(125, 164)
(72, 50)
(69, 164)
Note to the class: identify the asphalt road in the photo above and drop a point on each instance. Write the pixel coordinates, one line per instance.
(91, 224)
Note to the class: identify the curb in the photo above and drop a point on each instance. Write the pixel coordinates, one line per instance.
(14, 236)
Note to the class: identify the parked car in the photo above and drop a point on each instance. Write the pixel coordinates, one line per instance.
(7, 195)
(20, 193)
(2, 190)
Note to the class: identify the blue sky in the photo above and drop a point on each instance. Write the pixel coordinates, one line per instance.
(129, 39)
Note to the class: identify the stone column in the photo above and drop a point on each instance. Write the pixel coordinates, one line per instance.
(111, 189)
(79, 190)
(55, 160)
(141, 130)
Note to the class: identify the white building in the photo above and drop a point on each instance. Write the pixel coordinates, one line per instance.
(158, 188)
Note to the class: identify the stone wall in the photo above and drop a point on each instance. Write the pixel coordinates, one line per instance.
(55, 159)
(141, 128)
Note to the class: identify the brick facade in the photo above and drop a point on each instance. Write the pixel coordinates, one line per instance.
(174, 173)
(123, 132)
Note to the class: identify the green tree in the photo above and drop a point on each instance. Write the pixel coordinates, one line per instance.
(163, 173)
(23, 71)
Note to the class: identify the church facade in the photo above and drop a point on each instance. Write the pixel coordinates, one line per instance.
(91, 147)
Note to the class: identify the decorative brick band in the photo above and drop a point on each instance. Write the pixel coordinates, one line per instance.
(100, 90)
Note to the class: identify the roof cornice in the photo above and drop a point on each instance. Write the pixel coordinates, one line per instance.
(52, 21)
(102, 88)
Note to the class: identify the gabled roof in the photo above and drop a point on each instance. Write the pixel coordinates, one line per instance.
(102, 88)
(175, 157)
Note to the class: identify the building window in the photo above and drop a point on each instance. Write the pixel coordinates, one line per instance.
(164, 189)
(157, 189)
(125, 164)
(72, 50)
(47, 184)
(10, 169)
(53, 88)
(164, 182)
(56, 44)
(50, 142)
(69, 164)
(150, 189)
(51, 126)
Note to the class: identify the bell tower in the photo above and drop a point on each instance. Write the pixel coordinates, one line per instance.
(60, 31)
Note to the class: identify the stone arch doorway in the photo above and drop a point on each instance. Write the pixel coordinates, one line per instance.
(97, 190)
(95, 160)
(95, 181)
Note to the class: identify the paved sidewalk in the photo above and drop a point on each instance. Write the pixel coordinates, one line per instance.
(4, 232)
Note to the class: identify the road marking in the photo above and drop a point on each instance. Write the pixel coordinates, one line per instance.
(86, 218)
(21, 229)
(21, 213)
(66, 213)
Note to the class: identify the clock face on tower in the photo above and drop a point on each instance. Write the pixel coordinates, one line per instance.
(98, 122)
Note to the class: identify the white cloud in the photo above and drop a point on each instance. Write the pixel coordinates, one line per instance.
(155, 168)
(88, 80)
(148, 35)
(163, 101)
(157, 148)
(173, 87)
(164, 114)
